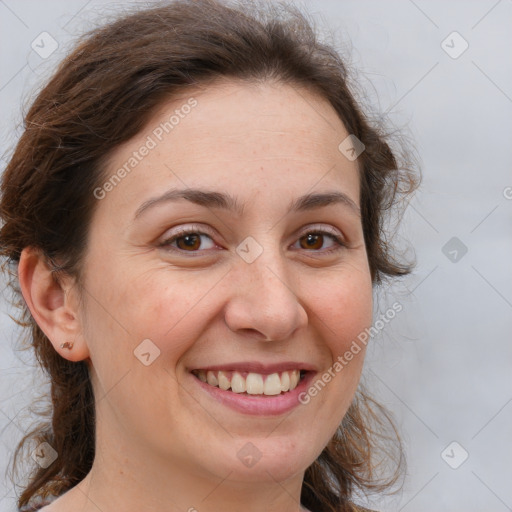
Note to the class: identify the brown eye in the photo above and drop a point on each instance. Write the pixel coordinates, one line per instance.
(312, 241)
(191, 241)
(188, 242)
(320, 241)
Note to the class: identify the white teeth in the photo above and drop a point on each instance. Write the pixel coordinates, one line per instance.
(285, 381)
(223, 381)
(237, 383)
(272, 385)
(211, 378)
(253, 383)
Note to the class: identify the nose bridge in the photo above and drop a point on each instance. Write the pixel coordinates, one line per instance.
(269, 279)
(264, 298)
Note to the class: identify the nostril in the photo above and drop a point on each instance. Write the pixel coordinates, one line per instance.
(254, 333)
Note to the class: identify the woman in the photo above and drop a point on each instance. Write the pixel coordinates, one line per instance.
(194, 219)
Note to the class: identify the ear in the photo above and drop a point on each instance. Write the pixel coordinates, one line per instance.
(53, 303)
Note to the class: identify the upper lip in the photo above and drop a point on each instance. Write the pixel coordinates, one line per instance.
(258, 367)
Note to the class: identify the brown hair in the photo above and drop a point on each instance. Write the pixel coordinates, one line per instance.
(103, 94)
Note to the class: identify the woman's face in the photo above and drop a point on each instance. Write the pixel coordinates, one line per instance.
(232, 242)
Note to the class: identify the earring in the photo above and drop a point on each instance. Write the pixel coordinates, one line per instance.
(67, 344)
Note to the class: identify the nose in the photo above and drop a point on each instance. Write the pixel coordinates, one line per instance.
(263, 303)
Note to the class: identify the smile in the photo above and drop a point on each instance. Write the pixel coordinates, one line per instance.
(250, 383)
(254, 387)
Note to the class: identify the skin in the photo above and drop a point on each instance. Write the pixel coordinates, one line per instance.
(162, 442)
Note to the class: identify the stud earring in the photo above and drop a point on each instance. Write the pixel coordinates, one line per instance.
(67, 344)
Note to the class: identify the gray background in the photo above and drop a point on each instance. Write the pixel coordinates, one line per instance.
(443, 364)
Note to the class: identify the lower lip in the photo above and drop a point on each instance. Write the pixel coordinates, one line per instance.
(260, 405)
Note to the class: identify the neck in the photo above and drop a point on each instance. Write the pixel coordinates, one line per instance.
(124, 477)
(177, 492)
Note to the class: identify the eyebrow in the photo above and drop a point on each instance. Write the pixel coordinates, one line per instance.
(221, 200)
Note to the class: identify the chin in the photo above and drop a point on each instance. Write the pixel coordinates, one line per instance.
(274, 460)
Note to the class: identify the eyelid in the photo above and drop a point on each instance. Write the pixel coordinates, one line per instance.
(200, 229)
(322, 228)
(180, 231)
(195, 228)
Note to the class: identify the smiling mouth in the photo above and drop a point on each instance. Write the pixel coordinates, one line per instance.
(250, 383)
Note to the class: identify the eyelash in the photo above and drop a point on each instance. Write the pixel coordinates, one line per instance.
(337, 239)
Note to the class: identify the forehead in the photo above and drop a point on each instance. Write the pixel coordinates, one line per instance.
(238, 136)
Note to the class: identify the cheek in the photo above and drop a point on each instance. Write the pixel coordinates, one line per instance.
(121, 315)
(341, 313)
(166, 307)
(344, 307)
